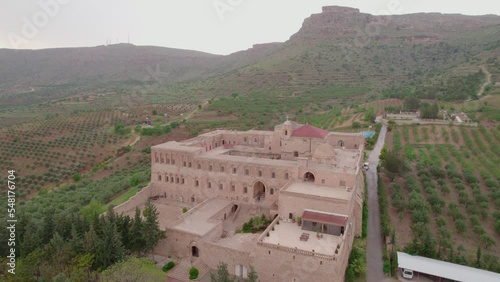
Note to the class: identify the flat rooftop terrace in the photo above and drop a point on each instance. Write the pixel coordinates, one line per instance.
(288, 235)
(309, 188)
(241, 241)
(197, 221)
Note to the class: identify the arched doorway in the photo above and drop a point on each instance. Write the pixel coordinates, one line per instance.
(195, 252)
(234, 208)
(309, 177)
(341, 143)
(259, 191)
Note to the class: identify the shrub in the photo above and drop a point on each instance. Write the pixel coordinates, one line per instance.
(77, 177)
(168, 266)
(193, 273)
(387, 266)
(349, 275)
(460, 225)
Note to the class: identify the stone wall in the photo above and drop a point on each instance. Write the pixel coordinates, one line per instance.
(140, 198)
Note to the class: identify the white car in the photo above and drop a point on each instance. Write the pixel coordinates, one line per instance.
(366, 166)
(407, 273)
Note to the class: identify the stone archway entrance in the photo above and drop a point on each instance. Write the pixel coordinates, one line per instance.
(309, 177)
(195, 252)
(259, 191)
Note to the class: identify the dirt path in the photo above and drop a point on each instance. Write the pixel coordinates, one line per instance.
(488, 81)
(374, 260)
(137, 138)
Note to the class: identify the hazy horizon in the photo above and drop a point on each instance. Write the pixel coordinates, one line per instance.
(215, 26)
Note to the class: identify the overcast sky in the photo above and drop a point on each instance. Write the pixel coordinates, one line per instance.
(214, 26)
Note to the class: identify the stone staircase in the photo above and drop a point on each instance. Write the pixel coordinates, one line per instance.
(241, 217)
(181, 271)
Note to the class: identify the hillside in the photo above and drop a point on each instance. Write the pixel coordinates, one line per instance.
(342, 46)
(339, 46)
(33, 76)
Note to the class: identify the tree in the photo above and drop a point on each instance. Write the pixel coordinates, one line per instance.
(77, 177)
(487, 241)
(252, 275)
(31, 239)
(133, 269)
(356, 125)
(136, 240)
(411, 104)
(221, 275)
(81, 268)
(151, 232)
(109, 249)
(90, 241)
(478, 257)
(393, 162)
(429, 111)
(370, 115)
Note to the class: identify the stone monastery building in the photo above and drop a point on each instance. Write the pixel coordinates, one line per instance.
(308, 181)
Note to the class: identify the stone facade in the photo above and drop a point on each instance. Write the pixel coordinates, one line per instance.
(230, 176)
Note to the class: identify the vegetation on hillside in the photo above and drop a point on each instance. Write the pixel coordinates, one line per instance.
(56, 239)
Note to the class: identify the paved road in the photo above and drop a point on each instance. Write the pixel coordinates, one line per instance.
(374, 261)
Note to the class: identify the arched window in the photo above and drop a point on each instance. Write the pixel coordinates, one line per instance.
(159, 177)
(246, 172)
(240, 271)
(209, 185)
(245, 190)
(221, 186)
(260, 173)
(271, 191)
(286, 175)
(199, 166)
(295, 154)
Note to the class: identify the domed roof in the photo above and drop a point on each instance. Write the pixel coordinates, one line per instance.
(325, 154)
